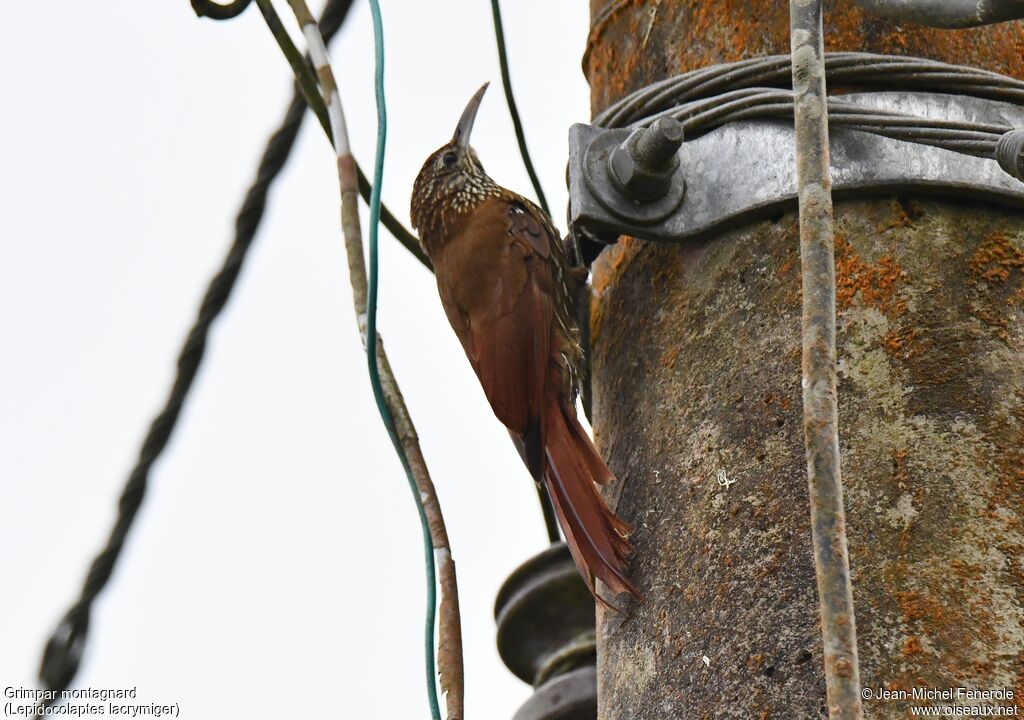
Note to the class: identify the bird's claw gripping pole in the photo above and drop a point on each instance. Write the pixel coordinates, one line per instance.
(821, 431)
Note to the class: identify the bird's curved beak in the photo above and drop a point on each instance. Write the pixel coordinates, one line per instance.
(465, 126)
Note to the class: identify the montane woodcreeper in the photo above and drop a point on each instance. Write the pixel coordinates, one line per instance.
(503, 276)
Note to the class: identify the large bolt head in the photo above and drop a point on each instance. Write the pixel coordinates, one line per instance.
(635, 178)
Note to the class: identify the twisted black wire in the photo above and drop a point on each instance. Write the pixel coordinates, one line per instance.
(63, 652)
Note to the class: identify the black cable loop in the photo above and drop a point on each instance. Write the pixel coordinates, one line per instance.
(870, 68)
(216, 11)
(63, 652)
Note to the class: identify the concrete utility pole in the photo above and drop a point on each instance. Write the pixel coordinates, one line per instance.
(695, 352)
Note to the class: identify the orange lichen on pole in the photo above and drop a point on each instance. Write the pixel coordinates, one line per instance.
(870, 284)
(997, 278)
(637, 39)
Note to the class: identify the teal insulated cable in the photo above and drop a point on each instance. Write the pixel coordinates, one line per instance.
(371, 356)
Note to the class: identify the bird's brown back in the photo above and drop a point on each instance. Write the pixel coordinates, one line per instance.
(502, 286)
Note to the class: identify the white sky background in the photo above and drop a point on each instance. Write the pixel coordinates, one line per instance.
(275, 568)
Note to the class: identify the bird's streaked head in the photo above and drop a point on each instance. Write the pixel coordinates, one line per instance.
(452, 181)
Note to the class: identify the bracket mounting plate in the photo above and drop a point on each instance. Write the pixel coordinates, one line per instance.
(746, 170)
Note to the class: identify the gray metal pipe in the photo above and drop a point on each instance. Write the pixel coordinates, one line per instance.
(947, 13)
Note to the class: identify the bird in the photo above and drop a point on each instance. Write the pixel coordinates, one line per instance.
(504, 279)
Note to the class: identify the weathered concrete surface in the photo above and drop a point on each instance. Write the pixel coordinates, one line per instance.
(696, 400)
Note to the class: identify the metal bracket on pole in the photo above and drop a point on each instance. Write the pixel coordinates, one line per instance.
(743, 171)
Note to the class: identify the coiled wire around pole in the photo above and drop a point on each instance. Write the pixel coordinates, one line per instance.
(705, 99)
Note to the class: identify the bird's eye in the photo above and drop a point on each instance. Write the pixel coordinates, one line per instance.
(449, 159)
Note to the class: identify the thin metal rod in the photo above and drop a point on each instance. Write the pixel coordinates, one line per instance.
(306, 82)
(513, 111)
(550, 521)
(947, 13)
(821, 430)
(391, 405)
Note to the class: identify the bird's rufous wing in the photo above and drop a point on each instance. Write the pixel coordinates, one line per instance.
(496, 284)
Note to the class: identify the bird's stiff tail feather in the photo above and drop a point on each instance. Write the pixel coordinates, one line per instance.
(595, 536)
